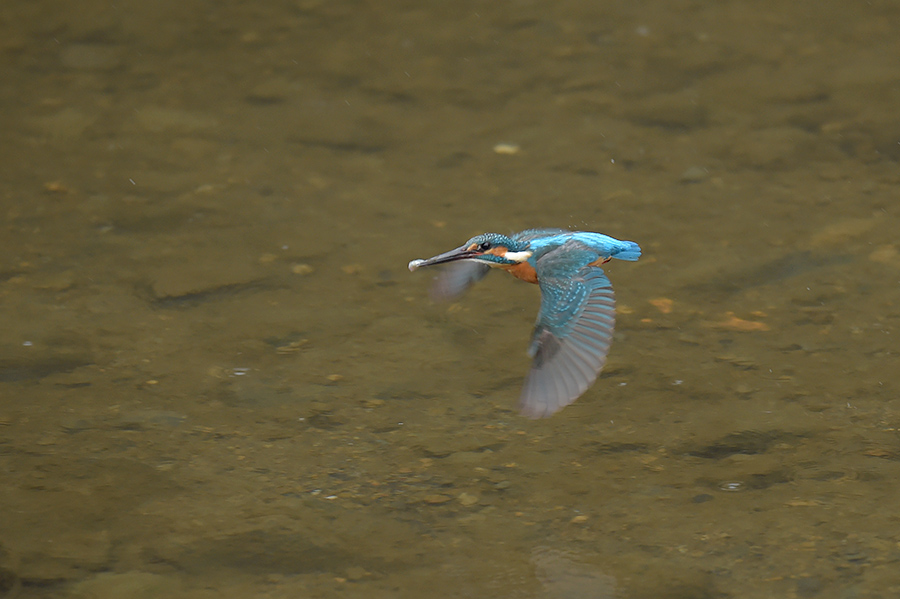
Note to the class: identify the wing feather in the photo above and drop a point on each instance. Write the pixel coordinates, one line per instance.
(571, 339)
(456, 277)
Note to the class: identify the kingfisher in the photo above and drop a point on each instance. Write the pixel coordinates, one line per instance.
(574, 326)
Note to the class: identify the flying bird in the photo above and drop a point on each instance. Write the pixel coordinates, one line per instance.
(574, 326)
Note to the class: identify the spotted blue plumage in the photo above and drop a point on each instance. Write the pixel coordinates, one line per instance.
(575, 323)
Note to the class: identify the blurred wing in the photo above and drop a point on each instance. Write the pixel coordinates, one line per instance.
(457, 277)
(532, 234)
(571, 340)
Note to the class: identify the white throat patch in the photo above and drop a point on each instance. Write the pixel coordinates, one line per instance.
(517, 256)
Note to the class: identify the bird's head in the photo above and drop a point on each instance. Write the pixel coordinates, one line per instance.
(492, 249)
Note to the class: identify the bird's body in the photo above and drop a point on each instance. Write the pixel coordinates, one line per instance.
(575, 323)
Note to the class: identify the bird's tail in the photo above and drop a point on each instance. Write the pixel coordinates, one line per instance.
(629, 251)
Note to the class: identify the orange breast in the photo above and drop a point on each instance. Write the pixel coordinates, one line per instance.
(522, 270)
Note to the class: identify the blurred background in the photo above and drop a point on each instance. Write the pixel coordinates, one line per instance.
(218, 379)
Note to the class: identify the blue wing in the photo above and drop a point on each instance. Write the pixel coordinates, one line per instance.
(573, 332)
(607, 246)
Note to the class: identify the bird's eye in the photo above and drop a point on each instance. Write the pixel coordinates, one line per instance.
(485, 246)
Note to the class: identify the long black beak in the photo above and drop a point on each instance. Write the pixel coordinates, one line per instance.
(461, 253)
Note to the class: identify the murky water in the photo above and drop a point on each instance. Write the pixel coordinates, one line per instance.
(217, 378)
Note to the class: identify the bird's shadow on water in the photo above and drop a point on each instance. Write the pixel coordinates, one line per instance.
(727, 283)
(260, 552)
